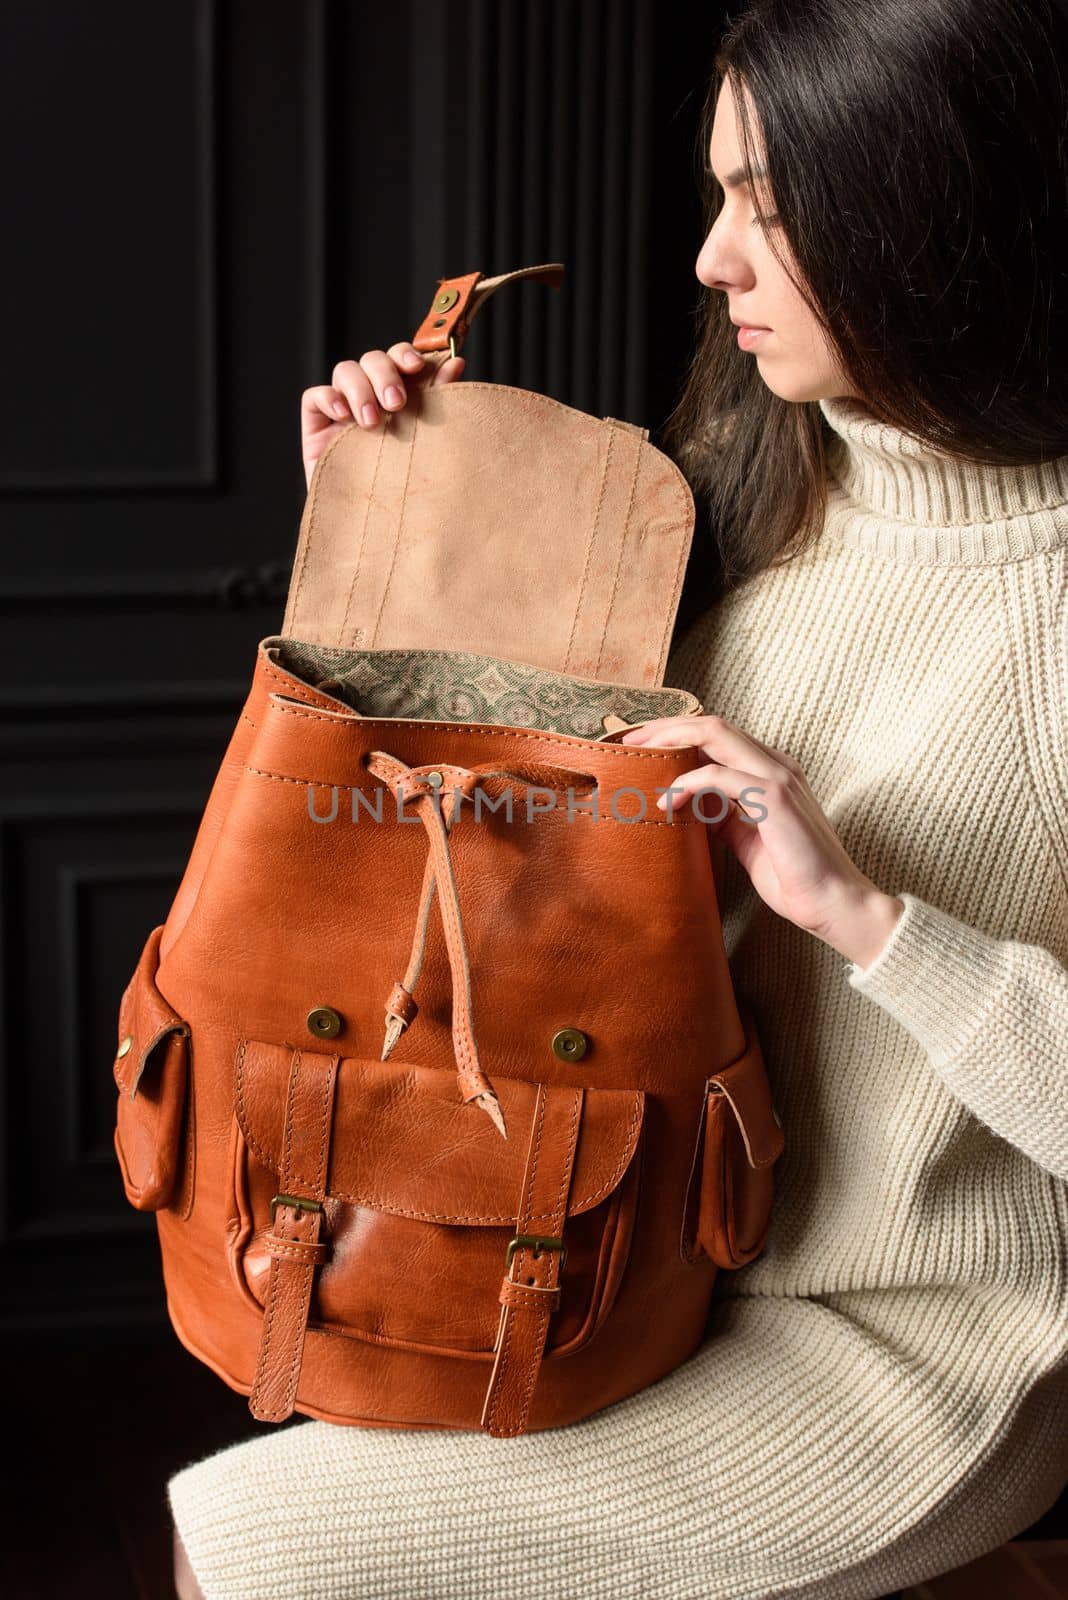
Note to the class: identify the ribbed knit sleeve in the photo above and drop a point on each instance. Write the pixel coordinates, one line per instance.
(992, 1016)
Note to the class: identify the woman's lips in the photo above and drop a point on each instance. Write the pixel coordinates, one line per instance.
(748, 337)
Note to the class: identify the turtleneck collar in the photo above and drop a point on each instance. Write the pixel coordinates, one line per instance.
(896, 496)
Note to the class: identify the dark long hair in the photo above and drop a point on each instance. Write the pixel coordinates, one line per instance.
(917, 157)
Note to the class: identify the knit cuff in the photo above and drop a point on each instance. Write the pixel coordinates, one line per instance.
(938, 977)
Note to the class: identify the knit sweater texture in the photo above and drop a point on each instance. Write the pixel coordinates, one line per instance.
(883, 1393)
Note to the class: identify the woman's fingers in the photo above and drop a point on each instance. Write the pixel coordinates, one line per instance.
(361, 391)
(448, 372)
(354, 383)
(717, 738)
(371, 386)
(388, 369)
(716, 786)
(376, 385)
(323, 404)
(365, 391)
(407, 356)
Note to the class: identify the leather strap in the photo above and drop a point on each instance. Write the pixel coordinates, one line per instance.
(294, 1243)
(530, 1290)
(457, 301)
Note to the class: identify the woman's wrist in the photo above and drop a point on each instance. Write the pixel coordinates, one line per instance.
(862, 928)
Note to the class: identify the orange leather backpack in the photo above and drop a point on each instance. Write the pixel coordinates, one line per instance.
(478, 1165)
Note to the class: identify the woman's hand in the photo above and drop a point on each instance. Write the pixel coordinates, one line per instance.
(362, 391)
(794, 859)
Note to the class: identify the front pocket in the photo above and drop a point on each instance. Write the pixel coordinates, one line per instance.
(154, 1134)
(422, 1197)
(739, 1139)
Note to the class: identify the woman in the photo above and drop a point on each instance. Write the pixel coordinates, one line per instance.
(884, 1392)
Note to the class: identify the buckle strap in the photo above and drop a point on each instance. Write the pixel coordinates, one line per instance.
(529, 1294)
(526, 1306)
(293, 1242)
(457, 302)
(298, 1249)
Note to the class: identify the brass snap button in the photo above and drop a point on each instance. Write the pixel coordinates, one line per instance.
(447, 298)
(124, 1046)
(570, 1044)
(324, 1022)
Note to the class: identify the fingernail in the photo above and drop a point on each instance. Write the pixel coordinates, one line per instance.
(412, 358)
(340, 408)
(369, 413)
(393, 395)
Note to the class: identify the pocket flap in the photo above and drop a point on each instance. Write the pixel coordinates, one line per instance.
(144, 1017)
(404, 1141)
(745, 1084)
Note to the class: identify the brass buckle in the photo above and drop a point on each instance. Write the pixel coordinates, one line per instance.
(539, 1243)
(294, 1200)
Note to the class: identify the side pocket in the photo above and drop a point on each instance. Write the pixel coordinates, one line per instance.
(739, 1140)
(152, 1076)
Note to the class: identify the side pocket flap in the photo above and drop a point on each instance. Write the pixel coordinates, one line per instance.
(144, 1018)
(152, 1070)
(744, 1083)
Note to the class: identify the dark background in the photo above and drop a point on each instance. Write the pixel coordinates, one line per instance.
(206, 207)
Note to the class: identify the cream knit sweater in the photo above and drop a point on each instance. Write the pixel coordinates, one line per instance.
(884, 1392)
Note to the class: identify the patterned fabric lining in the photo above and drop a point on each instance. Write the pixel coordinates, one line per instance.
(460, 686)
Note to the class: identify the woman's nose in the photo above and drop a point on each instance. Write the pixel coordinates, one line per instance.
(721, 263)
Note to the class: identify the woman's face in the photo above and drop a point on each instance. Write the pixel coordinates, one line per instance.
(792, 354)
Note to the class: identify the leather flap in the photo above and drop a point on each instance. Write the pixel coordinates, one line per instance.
(745, 1084)
(144, 1017)
(494, 519)
(404, 1141)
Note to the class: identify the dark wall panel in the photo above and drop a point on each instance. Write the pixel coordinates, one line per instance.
(107, 115)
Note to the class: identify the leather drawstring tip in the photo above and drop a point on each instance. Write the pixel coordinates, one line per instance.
(400, 1010)
(492, 1107)
(476, 1088)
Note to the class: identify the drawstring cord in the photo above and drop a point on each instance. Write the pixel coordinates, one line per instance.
(423, 784)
